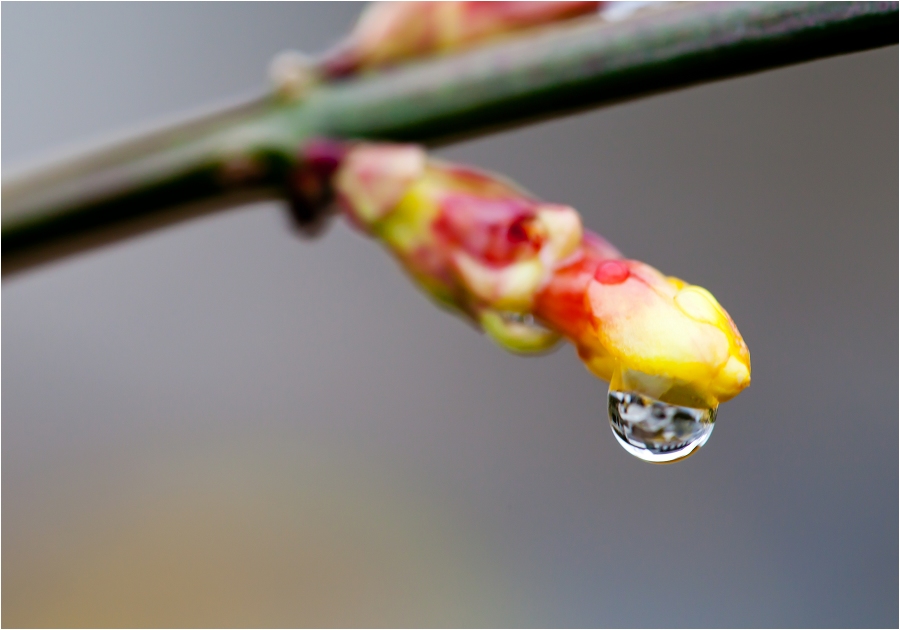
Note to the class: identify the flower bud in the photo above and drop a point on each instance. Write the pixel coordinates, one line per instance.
(527, 273)
(475, 242)
(391, 32)
(645, 332)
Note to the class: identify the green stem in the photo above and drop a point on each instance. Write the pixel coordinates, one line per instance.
(247, 152)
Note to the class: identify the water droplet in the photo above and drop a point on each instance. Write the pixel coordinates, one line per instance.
(612, 272)
(523, 319)
(518, 332)
(655, 431)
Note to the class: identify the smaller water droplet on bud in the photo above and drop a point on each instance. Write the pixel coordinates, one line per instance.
(525, 319)
(518, 332)
(655, 431)
(612, 272)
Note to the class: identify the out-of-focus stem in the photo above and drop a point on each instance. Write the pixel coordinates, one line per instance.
(248, 152)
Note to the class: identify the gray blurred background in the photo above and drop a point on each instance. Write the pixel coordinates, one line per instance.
(222, 424)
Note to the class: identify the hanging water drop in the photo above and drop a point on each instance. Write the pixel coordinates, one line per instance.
(655, 431)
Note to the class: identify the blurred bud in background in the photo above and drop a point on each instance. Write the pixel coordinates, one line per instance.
(391, 32)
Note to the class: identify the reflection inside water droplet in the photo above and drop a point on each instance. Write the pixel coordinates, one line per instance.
(525, 319)
(655, 431)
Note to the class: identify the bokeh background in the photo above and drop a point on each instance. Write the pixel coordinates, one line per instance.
(223, 424)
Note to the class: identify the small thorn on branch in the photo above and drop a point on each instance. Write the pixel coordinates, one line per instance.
(309, 190)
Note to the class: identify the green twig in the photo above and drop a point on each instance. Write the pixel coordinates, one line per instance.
(248, 152)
